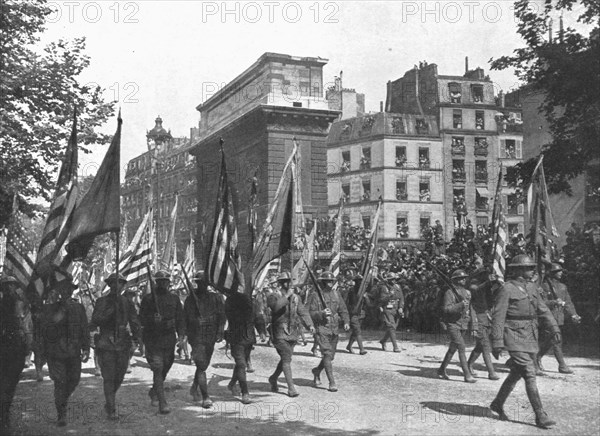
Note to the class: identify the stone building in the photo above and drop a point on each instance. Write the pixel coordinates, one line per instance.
(174, 173)
(258, 114)
(465, 108)
(393, 156)
(346, 100)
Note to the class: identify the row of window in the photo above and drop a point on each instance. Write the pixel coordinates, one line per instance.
(510, 202)
(400, 161)
(456, 97)
(459, 175)
(401, 191)
(457, 119)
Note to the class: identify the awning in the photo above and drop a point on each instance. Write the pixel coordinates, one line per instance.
(483, 192)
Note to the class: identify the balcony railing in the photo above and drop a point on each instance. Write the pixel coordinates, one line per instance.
(481, 177)
(458, 150)
(459, 176)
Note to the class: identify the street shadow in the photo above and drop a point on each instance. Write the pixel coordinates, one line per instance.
(470, 410)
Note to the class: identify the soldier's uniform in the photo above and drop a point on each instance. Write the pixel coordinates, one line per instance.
(288, 314)
(391, 304)
(481, 291)
(559, 302)
(204, 320)
(515, 316)
(65, 339)
(16, 337)
(327, 327)
(357, 314)
(113, 314)
(160, 332)
(458, 313)
(241, 337)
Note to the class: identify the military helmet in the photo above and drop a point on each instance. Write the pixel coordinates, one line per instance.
(7, 278)
(199, 276)
(522, 260)
(327, 276)
(459, 274)
(357, 277)
(556, 267)
(162, 275)
(113, 277)
(284, 277)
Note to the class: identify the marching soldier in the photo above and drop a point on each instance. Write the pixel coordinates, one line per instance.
(326, 319)
(65, 343)
(480, 286)
(356, 316)
(16, 337)
(241, 337)
(161, 315)
(391, 305)
(114, 314)
(515, 316)
(559, 302)
(288, 313)
(458, 313)
(205, 322)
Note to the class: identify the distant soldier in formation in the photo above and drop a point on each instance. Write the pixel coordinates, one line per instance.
(288, 314)
(241, 337)
(326, 318)
(161, 315)
(65, 343)
(357, 314)
(480, 286)
(458, 314)
(16, 337)
(114, 314)
(515, 314)
(558, 300)
(132, 295)
(205, 322)
(391, 305)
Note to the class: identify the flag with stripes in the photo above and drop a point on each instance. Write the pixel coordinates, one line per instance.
(252, 215)
(499, 233)
(336, 249)
(277, 235)
(224, 265)
(189, 263)
(169, 257)
(369, 260)
(17, 261)
(300, 270)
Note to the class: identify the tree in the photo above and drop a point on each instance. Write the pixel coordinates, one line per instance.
(39, 93)
(567, 71)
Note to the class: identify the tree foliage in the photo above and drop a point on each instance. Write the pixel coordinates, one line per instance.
(39, 92)
(566, 70)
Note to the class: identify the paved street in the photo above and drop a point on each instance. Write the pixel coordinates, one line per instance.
(380, 393)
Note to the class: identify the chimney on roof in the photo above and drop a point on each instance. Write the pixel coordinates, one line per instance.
(466, 64)
(381, 106)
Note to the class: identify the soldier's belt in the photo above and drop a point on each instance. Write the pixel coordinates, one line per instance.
(520, 318)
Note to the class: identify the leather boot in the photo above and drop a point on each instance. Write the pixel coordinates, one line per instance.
(153, 397)
(163, 407)
(287, 372)
(465, 366)
(442, 370)
(505, 390)
(349, 346)
(563, 368)
(541, 418)
(275, 376)
(472, 358)
(487, 358)
(329, 372)
(194, 392)
(110, 407)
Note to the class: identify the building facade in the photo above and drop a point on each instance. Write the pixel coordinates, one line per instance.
(466, 109)
(258, 115)
(393, 156)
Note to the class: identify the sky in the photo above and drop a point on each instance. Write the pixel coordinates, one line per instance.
(162, 57)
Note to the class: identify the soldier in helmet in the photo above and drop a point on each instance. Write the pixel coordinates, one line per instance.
(357, 314)
(458, 313)
(65, 342)
(391, 305)
(288, 313)
(163, 326)
(205, 321)
(16, 337)
(515, 314)
(113, 313)
(326, 317)
(559, 302)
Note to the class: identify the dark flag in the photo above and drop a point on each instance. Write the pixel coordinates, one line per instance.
(276, 237)
(369, 261)
(224, 265)
(99, 210)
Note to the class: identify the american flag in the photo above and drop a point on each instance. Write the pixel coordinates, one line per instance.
(169, 257)
(370, 259)
(224, 265)
(189, 263)
(336, 249)
(18, 246)
(252, 216)
(499, 232)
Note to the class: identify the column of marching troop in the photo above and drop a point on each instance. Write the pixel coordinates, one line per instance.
(503, 317)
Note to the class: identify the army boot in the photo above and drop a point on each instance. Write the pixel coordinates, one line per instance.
(542, 420)
(505, 390)
(163, 406)
(442, 369)
(465, 367)
(287, 372)
(275, 376)
(153, 397)
(194, 392)
(472, 358)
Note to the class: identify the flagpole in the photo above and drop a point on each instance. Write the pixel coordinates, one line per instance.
(117, 236)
